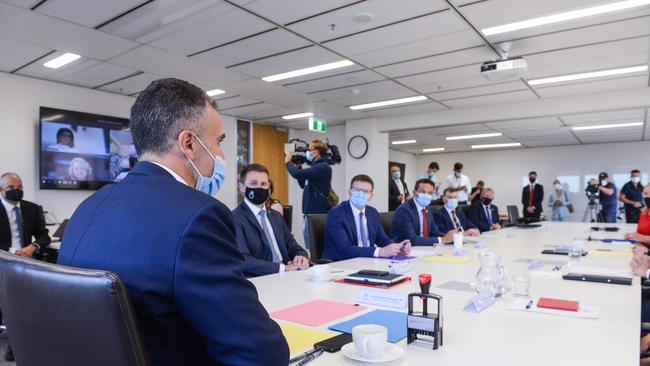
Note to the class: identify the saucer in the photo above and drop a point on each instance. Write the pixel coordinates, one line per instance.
(392, 352)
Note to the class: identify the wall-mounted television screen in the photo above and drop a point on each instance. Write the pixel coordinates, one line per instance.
(83, 150)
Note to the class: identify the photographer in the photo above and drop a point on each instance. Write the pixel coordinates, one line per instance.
(608, 198)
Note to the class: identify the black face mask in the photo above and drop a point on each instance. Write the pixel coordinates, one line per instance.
(257, 195)
(532, 180)
(487, 201)
(14, 194)
(646, 201)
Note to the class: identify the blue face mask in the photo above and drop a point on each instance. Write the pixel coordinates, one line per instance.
(359, 199)
(211, 185)
(457, 174)
(424, 199)
(309, 157)
(432, 176)
(397, 175)
(452, 203)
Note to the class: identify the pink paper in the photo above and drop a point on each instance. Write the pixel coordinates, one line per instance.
(317, 312)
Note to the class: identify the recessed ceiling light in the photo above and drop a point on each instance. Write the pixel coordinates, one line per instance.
(62, 60)
(404, 142)
(362, 18)
(565, 16)
(388, 102)
(213, 92)
(588, 75)
(611, 125)
(467, 137)
(490, 146)
(434, 149)
(308, 70)
(298, 115)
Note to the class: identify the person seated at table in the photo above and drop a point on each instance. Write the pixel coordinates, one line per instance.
(262, 235)
(642, 233)
(483, 213)
(353, 229)
(414, 221)
(451, 218)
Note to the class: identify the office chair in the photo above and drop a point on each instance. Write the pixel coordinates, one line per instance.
(287, 213)
(435, 208)
(386, 219)
(513, 215)
(316, 228)
(64, 316)
(465, 210)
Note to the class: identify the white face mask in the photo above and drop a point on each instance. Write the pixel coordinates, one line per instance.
(557, 186)
(636, 180)
(603, 182)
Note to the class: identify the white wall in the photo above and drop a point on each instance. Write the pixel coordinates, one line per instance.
(504, 170)
(20, 98)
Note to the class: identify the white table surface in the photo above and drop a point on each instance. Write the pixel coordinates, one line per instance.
(499, 336)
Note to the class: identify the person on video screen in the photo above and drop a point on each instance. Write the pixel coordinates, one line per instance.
(64, 141)
(80, 170)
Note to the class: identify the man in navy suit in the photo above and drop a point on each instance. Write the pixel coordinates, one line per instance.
(262, 235)
(353, 228)
(398, 193)
(173, 244)
(414, 221)
(483, 213)
(451, 218)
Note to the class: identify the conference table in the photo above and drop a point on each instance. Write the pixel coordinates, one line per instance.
(498, 335)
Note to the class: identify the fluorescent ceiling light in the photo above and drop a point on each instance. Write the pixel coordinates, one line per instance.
(388, 102)
(62, 60)
(298, 115)
(308, 70)
(489, 146)
(403, 142)
(434, 149)
(213, 92)
(466, 137)
(563, 17)
(589, 75)
(611, 125)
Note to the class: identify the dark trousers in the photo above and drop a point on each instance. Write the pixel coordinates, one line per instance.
(632, 215)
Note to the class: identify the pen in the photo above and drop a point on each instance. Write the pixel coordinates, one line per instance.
(310, 358)
(303, 355)
(530, 303)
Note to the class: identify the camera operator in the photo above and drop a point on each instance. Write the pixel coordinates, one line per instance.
(316, 180)
(607, 197)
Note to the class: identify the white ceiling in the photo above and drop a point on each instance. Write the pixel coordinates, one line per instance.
(411, 47)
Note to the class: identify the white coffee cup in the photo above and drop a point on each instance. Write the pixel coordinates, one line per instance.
(458, 240)
(321, 271)
(370, 340)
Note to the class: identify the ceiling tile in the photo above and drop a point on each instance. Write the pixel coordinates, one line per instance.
(508, 97)
(604, 117)
(593, 86)
(37, 69)
(286, 11)
(96, 75)
(14, 54)
(480, 90)
(333, 82)
(131, 85)
(526, 126)
(84, 12)
(416, 108)
(234, 101)
(372, 92)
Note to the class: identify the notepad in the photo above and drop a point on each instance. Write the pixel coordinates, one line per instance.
(558, 304)
(457, 260)
(301, 339)
(317, 312)
(394, 321)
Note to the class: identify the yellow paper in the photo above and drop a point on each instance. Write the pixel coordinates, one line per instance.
(604, 252)
(459, 260)
(301, 339)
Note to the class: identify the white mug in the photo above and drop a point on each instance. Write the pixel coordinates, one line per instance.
(458, 240)
(321, 271)
(370, 340)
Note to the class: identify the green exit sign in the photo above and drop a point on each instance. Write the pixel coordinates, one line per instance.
(317, 125)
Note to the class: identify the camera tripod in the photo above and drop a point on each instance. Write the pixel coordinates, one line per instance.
(594, 213)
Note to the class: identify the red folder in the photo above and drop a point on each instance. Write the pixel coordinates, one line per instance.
(568, 305)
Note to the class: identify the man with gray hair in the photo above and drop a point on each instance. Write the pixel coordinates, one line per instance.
(172, 243)
(483, 213)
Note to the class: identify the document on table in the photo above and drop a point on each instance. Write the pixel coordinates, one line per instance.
(585, 311)
(301, 339)
(448, 259)
(317, 312)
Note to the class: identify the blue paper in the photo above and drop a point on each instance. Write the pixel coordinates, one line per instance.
(611, 241)
(394, 321)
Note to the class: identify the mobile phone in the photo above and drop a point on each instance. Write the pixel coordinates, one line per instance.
(335, 343)
(373, 273)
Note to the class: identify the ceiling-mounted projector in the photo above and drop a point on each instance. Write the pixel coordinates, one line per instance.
(512, 68)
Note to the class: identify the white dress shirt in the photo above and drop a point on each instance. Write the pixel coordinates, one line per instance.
(274, 243)
(355, 213)
(400, 185)
(463, 181)
(173, 173)
(13, 225)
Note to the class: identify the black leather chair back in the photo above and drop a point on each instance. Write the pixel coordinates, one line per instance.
(287, 213)
(435, 208)
(386, 219)
(316, 229)
(464, 209)
(513, 214)
(63, 316)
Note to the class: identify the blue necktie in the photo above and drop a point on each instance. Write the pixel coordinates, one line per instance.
(362, 231)
(267, 232)
(19, 223)
(488, 214)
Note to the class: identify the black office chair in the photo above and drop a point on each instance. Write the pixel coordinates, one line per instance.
(513, 215)
(316, 229)
(435, 208)
(386, 219)
(465, 210)
(63, 316)
(287, 213)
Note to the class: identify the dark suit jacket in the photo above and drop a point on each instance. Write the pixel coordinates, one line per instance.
(478, 217)
(174, 248)
(393, 194)
(33, 226)
(538, 198)
(341, 233)
(406, 225)
(444, 222)
(316, 182)
(252, 242)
